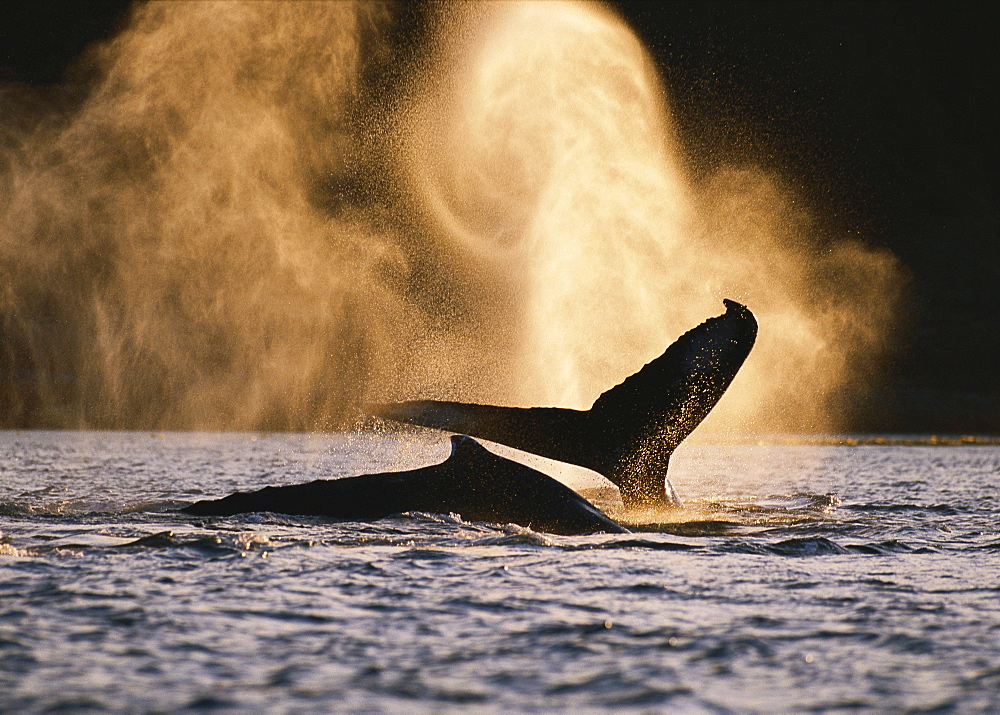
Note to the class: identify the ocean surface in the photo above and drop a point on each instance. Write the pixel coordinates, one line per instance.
(803, 575)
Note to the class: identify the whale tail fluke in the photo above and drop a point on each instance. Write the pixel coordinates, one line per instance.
(632, 429)
(539, 430)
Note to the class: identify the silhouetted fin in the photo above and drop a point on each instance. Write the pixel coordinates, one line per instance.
(473, 482)
(632, 429)
(539, 430)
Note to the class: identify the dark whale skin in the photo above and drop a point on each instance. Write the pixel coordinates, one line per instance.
(473, 482)
(631, 430)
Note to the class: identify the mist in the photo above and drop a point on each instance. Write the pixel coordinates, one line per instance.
(237, 226)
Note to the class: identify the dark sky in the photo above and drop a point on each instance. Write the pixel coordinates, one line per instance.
(879, 115)
(883, 116)
(39, 38)
(879, 109)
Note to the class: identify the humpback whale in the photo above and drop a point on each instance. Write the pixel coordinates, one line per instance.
(631, 430)
(473, 482)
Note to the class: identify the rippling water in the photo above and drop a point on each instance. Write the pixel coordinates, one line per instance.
(799, 577)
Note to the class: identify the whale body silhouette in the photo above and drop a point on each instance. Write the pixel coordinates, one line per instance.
(473, 482)
(627, 435)
(631, 430)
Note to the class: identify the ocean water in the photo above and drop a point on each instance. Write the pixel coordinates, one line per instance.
(800, 577)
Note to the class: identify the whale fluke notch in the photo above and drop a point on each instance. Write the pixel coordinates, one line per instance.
(631, 430)
(473, 482)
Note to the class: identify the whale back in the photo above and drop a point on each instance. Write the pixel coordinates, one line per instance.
(497, 489)
(473, 482)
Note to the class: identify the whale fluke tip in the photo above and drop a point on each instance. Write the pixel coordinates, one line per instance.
(733, 306)
(462, 442)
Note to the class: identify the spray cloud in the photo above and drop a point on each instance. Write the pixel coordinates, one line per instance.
(183, 248)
